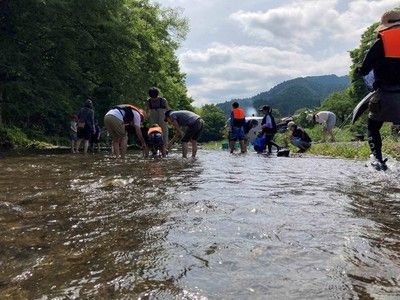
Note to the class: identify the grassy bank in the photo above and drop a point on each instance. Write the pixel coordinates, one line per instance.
(12, 138)
(345, 146)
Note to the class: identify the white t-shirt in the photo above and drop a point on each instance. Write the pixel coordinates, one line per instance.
(120, 113)
(322, 116)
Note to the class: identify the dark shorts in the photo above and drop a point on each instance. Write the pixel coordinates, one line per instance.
(193, 131)
(84, 133)
(237, 133)
(73, 136)
(387, 108)
(94, 139)
(155, 140)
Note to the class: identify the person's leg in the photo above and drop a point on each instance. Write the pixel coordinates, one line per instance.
(324, 134)
(275, 144)
(194, 148)
(374, 138)
(330, 125)
(116, 147)
(241, 136)
(124, 146)
(72, 146)
(85, 146)
(232, 146)
(78, 144)
(184, 149)
(332, 135)
(243, 148)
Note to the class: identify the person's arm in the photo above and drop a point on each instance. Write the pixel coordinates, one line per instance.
(178, 133)
(92, 120)
(140, 136)
(231, 121)
(373, 54)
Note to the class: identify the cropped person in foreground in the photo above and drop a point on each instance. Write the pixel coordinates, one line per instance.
(383, 58)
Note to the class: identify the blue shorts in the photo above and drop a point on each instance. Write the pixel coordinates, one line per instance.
(298, 142)
(237, 133)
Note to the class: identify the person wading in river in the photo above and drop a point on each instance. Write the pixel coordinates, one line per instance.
(155, 110)
(268, 128)
(383, 58)
(194, 125)
(116, 120)
(236, 128)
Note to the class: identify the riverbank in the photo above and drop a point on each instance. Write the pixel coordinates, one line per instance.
(351, 150)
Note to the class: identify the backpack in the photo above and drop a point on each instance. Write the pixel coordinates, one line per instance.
(127, 108)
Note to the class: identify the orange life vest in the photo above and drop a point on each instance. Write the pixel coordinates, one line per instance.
(238, 114)
(391, 42)
(154, 129)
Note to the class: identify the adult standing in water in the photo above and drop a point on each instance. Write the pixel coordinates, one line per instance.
(85, 126)
(116, 120)
(328, 121)
(194, 125)
(155, 110)
(383, 58)
(236, 128)
(268, 128)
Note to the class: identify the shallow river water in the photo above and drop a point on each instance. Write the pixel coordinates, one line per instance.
(219, 227)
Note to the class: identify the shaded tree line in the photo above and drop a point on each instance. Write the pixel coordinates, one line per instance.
(57, 53)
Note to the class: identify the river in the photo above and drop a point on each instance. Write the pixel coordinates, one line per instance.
(218, 227)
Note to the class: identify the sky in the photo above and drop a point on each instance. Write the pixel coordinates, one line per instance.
(237, 49)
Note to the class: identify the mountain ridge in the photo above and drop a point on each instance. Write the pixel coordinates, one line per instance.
(293, 94)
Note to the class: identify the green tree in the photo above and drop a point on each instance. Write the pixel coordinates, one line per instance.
(56, 53)
(214, 123)
(339, 103)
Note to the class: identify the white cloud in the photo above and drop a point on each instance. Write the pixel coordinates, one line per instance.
(237, 49)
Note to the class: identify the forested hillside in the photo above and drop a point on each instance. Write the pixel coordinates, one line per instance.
(55, 54)
(288, 96)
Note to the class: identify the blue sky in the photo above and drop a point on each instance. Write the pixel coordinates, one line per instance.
(239, 48)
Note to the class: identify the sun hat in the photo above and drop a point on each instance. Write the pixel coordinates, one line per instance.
(265, 107)
(291, 124)
(389, 19)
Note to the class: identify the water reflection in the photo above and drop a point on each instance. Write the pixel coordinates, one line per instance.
(221, 226)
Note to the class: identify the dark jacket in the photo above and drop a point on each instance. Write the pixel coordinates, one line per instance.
(386, 69)
(300, 133)
(267, 130)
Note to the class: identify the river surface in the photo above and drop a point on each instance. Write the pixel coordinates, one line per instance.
(218, 227)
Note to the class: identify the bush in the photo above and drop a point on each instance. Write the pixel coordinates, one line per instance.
(12, 137)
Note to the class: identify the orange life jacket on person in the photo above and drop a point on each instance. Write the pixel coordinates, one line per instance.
(238, 113)
(154, 129)
(238, 117)
(391, 42)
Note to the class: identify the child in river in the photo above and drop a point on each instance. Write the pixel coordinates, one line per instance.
(73, 132)
(155, 140)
